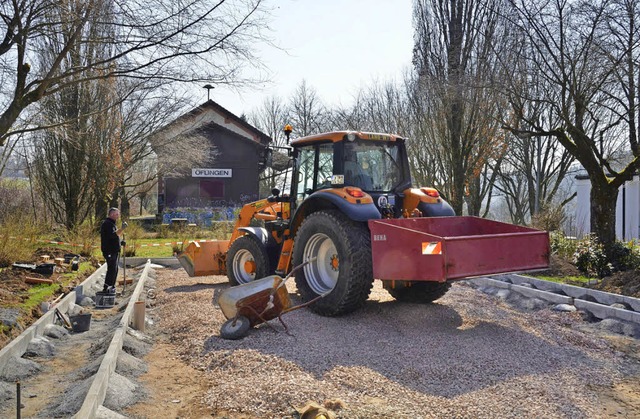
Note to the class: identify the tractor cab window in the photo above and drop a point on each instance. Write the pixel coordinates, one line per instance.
(315, 168)
(325, 165)
(372, 165)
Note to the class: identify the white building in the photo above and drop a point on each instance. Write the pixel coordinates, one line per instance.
(627, 208)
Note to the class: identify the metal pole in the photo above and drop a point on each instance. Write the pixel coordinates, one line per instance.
(18, 403)
(538, 177)
(124, 265)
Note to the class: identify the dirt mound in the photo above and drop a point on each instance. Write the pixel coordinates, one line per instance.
(12, 286)
(625, 283)
(52, 252)
(561, 267)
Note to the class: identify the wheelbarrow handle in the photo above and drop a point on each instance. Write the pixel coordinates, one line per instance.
(297, 268)
(302, 305)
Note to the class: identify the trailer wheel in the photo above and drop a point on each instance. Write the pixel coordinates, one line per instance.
(342, 270)
(235, 328)
(247, 259)
(419, 292)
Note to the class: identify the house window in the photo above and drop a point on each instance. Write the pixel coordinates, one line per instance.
(211, 189)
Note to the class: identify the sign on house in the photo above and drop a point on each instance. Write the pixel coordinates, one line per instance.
(211, 172)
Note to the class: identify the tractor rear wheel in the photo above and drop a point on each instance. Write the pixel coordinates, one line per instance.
(247, 259)
(342, 271)
(419, 292)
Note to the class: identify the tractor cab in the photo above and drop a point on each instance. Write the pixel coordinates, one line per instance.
(375, 164)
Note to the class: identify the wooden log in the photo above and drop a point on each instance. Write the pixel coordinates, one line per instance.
(31, 280)
(44, 258)
(138, 315)
(59, 261)
(129, 281)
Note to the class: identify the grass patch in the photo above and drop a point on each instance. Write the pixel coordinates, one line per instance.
(164, 250)
(149, 251)
(38, 294)
(571, 280)
(84, 269)
(43, 292)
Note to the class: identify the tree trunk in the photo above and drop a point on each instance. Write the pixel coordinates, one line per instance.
(474, 200)
(114, 198)
(101, 208)
(603, 213)
(457, 159)
(125, 206)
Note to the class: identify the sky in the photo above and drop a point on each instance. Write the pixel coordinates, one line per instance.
(337, 46)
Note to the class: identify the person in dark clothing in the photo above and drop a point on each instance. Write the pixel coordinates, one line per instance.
(110, 246)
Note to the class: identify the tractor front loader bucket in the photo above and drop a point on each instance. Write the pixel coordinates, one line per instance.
(205, 258)
(445, 248)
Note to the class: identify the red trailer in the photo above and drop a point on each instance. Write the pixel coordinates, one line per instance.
(445, 248)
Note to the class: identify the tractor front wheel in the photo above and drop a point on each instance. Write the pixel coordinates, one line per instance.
(417, 292)
(247, 259)
(342, 269)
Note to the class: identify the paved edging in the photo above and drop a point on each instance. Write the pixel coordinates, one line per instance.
(98, 390)
(18, 346)
(171, 261)
(527, 292)
(605, 312)
(598, 303)
(574, 291)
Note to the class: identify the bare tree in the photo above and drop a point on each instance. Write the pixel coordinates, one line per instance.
(198, 40)
(585, 55)
(454, 55)
(99, 133)
(306, 111)
(143, 109)
(270, 118)
(7, 155)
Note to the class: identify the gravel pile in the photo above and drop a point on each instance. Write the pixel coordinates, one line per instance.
(468, 355)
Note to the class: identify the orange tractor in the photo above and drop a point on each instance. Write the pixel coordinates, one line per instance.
(353, 212)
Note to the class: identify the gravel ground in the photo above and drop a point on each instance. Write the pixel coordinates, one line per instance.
(468, 355)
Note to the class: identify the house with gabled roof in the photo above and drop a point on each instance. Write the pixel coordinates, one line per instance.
(235, 157)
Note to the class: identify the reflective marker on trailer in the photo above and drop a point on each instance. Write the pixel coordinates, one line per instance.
(431, 248)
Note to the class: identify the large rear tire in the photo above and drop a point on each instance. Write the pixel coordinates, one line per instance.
(419, 292)
(342, 270)
(247, 260)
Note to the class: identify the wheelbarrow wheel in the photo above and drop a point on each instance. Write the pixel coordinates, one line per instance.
(235, 328)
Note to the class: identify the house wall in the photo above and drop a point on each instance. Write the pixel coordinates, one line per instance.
(232, 151)
(628, 202)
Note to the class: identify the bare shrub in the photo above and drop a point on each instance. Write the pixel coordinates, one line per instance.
(85, 236)
(221, 230)
(18, 237)
(549, 219)
(131, 234)
(15, 197)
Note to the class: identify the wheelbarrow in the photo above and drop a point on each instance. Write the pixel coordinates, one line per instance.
(256, 302)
